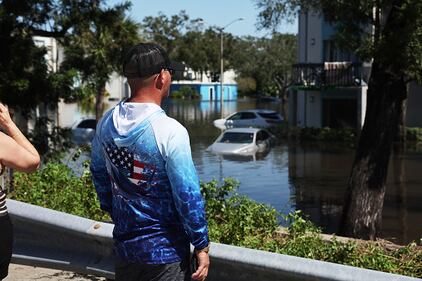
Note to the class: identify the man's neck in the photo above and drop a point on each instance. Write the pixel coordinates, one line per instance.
(146, 96)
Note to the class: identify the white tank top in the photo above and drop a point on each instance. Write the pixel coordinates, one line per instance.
(3, 208)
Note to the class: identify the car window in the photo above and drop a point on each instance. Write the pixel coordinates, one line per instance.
(236, 116)
(87, 124)
(248, 115)
(262, 135)
(231, 137)
(269, 115)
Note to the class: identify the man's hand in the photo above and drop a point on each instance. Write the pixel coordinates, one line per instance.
(203, 265)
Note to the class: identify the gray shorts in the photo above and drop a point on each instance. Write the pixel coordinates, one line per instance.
(178, 271)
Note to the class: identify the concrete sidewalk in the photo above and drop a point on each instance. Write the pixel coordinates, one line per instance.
(29, 273)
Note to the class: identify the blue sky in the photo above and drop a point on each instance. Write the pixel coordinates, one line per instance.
(213, 12)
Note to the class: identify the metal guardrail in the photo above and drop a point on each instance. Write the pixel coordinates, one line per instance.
(52, 239)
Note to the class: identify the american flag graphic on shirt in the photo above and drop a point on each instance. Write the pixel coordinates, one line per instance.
(128, 164)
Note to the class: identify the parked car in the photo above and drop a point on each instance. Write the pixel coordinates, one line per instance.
(250, 118)
(242, 141)
(83, 131)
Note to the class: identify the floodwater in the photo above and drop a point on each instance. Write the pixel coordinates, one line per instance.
(309, 177)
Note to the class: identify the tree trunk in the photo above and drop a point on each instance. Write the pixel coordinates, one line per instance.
(99, 102)
(387, 90)
(366, 187)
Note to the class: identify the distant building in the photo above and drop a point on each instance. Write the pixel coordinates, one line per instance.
(208, 90)
(117, 88)
(66, 114)
(330, 85)
(53, 57)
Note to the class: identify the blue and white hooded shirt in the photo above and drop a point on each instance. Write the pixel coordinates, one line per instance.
(145, 178)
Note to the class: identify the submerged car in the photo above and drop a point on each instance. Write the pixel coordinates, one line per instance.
(240, 158)
(84, 131)
(242, 141)
(250, 118)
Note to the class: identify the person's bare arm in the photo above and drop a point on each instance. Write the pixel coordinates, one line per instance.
(15, 156)
(15, 149)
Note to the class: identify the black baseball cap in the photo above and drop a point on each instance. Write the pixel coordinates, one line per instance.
(147, 59)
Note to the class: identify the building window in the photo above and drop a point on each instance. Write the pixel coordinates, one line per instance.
(332, 53)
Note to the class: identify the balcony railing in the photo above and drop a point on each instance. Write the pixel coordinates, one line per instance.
(329, 74)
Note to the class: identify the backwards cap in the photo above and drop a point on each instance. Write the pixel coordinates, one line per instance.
(146, 59)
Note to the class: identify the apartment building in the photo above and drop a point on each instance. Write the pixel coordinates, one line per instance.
(330, 86)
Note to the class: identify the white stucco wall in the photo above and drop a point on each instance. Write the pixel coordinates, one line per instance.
(196, 77)
(310, 37)
(302, 38)
(54, 55)
(314, 106)
(116, 89)
(314, 38)
(309, 109)
(68, 114)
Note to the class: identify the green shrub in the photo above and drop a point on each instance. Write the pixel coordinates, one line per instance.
(303, 239)
(56, 187)
(348, 135)
(246, 86)
(185, 92)
(233, 219)
(414, 134)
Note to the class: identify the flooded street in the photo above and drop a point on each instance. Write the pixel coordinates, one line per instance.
(307, 177)
(310, 177)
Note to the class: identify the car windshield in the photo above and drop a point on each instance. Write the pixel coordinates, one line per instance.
(231, 137)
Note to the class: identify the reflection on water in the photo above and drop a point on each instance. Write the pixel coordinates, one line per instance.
(319, 177)
(245, 158)
(310, 178)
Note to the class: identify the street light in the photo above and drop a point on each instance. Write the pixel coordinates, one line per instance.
(222, 64)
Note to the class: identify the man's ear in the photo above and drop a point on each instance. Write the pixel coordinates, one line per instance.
(160, 80)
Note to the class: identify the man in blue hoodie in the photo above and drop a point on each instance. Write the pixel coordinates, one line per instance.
(145, 178)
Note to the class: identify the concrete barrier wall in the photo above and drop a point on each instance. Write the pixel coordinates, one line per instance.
(52, 239)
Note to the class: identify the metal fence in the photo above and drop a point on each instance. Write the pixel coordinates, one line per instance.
(336, 74)
(52, 239)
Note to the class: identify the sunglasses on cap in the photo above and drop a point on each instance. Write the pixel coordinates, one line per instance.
(170, 70)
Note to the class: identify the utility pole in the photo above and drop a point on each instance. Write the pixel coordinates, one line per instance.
(222, 64)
